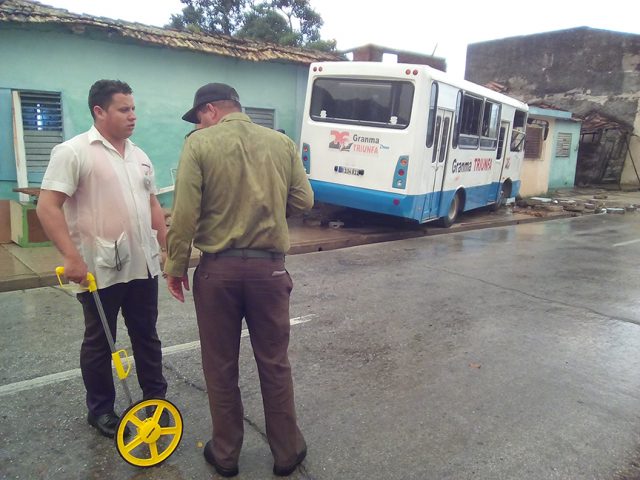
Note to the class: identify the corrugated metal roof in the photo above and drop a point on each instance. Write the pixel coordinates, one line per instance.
(30, 12)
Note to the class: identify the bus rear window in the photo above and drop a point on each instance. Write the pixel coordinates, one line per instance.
(376, 103)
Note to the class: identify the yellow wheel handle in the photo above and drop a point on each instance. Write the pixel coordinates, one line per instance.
(142, 441)
(117, 358)
(91, 280)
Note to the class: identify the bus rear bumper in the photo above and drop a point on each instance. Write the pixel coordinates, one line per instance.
(405, 206)
(388, 203)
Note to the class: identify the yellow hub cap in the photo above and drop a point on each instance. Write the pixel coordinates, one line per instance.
(150, 431)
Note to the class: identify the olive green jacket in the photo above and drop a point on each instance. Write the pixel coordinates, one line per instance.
(236, 184)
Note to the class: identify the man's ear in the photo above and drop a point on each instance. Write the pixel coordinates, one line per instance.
(98, 111)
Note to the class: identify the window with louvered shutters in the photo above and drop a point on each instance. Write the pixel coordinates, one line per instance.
(533, 143)
(42, 126)
(563, 145)
(261, 116)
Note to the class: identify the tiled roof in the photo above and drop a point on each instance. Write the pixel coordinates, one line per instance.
(31, 12)
(592, 121)
(595, 121)
(497, 87)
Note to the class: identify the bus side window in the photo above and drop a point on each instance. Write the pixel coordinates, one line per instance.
(443, 140)
(437, 133)
(433, 106)
(490, 119)
(503, 132)
(456, 123)
(470, 122)
(518, 132)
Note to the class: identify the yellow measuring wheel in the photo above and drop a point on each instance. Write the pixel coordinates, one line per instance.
(149, 431)
(155, 436)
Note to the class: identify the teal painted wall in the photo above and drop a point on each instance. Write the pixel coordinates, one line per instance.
(562, 170)
(49, 58)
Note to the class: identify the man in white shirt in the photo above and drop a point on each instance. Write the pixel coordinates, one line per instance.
(98, 205)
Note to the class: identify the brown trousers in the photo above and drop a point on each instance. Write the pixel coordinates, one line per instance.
(226, 290)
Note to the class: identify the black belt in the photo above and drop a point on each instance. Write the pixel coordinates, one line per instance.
(245, 253)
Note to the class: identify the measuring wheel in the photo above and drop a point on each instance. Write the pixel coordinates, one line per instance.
(148, 432)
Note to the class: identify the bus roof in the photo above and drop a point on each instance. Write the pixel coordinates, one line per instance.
(398, 71)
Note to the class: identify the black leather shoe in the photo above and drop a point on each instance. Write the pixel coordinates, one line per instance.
(105, 423)
(223, 472)
(286, 471)
(165, 421)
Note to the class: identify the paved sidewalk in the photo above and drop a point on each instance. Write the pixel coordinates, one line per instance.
(24, 268)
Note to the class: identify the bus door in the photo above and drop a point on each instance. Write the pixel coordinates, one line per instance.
(500, 160)
(440, 154)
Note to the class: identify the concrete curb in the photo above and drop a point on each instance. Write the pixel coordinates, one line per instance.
(367, 238)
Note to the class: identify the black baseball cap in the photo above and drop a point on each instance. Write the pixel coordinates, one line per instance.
(211, 92)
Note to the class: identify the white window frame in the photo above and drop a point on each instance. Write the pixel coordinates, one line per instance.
(19, 127)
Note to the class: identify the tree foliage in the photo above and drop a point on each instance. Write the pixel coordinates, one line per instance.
(286, 22)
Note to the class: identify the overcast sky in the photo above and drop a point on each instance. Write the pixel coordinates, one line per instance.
(415, 25)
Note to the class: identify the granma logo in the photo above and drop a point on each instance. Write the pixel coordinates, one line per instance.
(346, 142)
(341, 141)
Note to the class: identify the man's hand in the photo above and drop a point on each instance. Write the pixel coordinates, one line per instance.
(75, 269)
(175, 285)
(53, 222)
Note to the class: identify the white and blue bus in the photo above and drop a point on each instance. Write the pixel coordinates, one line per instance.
(409, 141)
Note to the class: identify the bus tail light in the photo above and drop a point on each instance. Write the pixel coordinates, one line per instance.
(400, 175)
(306, 157)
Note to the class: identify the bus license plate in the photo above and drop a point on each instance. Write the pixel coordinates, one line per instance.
(350, 171)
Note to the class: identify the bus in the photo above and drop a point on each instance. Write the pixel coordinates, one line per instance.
(409, 141)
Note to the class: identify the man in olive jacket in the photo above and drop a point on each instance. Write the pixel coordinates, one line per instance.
(236, 184)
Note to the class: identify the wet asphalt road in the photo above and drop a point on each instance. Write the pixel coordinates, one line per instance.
(505, 353)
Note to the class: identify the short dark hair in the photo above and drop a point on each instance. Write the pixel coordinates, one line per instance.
(102, 91)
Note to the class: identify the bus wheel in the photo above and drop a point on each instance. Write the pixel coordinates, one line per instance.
(452, 214)
(499, 202)
(505, 192)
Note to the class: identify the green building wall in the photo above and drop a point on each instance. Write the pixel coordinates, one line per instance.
(49, 58)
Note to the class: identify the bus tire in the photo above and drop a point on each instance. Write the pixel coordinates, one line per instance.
(505, 192)
(452, 214)
(499, 202)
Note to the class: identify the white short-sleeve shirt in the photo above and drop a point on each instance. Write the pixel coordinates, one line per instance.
(108, 211)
